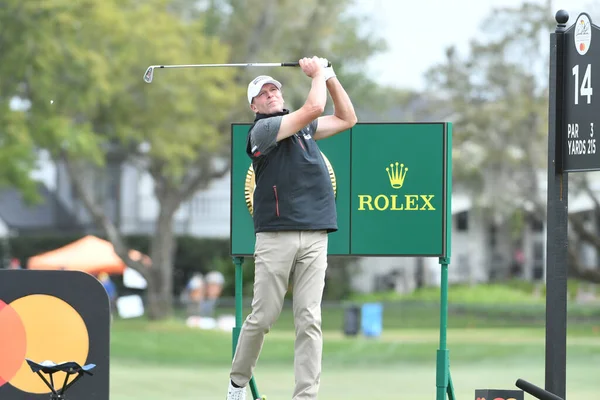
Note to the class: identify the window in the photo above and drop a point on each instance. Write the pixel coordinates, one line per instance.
(537, 225)
(493, 235)
(462, 221)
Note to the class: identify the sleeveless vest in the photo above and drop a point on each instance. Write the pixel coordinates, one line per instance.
(293, 188)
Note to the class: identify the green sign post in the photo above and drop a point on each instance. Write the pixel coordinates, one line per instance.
(393, 185)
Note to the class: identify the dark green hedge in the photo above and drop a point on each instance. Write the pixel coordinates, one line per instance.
(192, 255)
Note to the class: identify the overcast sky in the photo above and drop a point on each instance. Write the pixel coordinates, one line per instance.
(419, 31)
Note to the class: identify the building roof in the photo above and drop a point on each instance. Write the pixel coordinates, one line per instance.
(49, 212)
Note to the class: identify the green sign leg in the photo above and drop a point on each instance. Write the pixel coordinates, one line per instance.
(239, 305)
(450, 387)
(238, 261)
(443, 380)
(254, 389)
(442, 374)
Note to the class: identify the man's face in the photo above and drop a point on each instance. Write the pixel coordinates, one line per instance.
(268, 101)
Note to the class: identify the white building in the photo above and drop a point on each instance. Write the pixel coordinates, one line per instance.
(481, 246)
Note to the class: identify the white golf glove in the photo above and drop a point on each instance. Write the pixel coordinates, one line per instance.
(327, 71)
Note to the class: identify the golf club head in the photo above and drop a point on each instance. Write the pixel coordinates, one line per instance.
(149, 75)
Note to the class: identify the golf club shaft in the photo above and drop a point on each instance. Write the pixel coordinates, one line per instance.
(149, 75)
(282, 64)
(226, 65)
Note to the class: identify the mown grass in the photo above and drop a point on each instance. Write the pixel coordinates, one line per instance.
(157, 360)
(174, 343)
(426, 315)
(491, 345)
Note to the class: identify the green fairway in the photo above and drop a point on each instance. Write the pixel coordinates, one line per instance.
(167, 360)
(399, 381)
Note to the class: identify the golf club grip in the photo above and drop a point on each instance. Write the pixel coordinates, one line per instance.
(536, 391)
(297, 64)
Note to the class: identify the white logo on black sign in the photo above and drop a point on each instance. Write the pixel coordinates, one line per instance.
(583, 34)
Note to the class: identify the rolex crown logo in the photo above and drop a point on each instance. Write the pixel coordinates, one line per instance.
(396, 173)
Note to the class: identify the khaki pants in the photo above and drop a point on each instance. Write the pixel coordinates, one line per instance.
(279, 256)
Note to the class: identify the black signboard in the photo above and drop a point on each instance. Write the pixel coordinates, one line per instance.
(581, 109)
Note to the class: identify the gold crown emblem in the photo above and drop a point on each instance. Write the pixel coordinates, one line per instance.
(396, 174)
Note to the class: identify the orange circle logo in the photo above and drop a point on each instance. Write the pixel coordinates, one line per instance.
(39, 327)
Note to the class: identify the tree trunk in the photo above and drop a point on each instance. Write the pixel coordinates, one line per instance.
(77, 178)
(162, 250)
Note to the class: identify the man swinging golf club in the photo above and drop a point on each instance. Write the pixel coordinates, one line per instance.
(294, 210)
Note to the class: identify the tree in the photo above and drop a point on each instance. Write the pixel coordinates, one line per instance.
(17, 149)
(585, 228)
(497, 98)
(91, 64)
(287, 30)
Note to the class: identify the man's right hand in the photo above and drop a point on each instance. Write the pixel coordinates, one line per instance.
(315, 103)
(312, 67)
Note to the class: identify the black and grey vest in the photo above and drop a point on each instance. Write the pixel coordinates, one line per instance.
(293, 187)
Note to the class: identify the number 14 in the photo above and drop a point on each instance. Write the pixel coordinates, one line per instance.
(586, 85)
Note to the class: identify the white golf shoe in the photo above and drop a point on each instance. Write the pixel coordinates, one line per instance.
(234, 393)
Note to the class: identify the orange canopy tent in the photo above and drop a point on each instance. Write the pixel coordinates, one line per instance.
(89, 254)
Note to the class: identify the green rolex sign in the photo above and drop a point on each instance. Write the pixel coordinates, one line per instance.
(398, 201)
(391, 183)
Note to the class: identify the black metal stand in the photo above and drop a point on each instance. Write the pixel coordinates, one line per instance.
(50, 368)
(557, 221)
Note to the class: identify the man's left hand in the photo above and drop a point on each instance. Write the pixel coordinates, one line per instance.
(328, 71)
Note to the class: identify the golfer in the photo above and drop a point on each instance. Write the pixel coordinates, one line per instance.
(294, 210)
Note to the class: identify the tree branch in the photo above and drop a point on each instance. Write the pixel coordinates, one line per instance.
(161, 184)
(100, 218)
(205, 172)
(257, 32)
(531, 168)
(584, 234)
(587, 274)
(588, 190)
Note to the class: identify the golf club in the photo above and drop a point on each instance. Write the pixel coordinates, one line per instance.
(149, 75)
